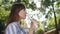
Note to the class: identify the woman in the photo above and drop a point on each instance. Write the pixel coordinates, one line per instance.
(13, 24)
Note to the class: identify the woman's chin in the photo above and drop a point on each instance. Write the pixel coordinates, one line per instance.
(24, 17)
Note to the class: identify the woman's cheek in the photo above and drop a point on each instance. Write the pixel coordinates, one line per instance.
(22, 16)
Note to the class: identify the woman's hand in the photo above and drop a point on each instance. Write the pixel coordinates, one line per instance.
(33, 23)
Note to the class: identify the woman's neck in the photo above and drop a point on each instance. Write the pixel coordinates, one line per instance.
(18, 22)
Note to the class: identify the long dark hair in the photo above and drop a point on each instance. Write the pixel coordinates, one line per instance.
(13, 16)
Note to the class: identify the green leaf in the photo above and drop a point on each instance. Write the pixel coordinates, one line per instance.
(0, 2)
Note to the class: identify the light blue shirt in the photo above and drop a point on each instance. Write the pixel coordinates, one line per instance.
(14, 28)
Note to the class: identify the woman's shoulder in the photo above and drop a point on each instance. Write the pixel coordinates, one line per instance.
(12, 24)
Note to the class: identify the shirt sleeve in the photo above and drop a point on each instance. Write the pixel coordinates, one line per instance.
(26, 30)
(11, 29)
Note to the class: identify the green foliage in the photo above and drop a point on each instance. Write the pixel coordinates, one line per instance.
(3, 13)
(22, 23)
(58, 3)
(58, 17)
(46, 3)
(3, 17)
(0, 2)
(40, 29)
(51, 24)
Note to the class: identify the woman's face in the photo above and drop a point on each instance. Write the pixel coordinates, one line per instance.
(22, 14)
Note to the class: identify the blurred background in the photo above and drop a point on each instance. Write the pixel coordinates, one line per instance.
(46, 12)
